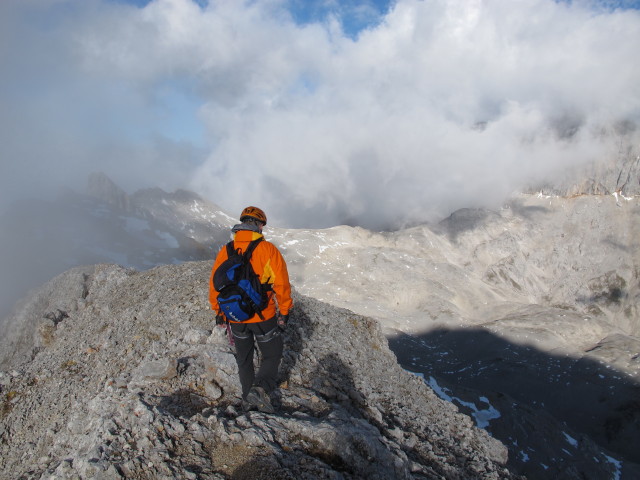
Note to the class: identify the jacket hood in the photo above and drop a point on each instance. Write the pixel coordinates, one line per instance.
(245, 226)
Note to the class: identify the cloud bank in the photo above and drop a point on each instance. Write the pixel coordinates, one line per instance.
(437, 105)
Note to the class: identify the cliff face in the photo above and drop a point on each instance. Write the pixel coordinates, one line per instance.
(619, 174)
(123, 376)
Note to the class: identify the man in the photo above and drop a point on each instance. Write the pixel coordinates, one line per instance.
(263, 327)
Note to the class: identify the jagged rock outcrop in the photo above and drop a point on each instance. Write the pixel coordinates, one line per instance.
(185, 212)
(103, 188)
(42, 238)
(181, 211)
(125, 378)
(619, 174)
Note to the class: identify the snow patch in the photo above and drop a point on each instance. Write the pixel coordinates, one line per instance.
(169, 239)
(617, 464)
(196, 208)
(482, 416)
(572, 441)
(619, 195)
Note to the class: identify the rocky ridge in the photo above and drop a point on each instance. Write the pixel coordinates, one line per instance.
(127, 379)
(618, 175)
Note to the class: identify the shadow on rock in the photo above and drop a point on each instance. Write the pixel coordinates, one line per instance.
(298, 335)
(529, 387)
(463, 220)
(336, 439)
(182, 403)
(261, 468)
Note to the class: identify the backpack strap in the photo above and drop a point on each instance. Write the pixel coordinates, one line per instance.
(247, 253)
(252, 246)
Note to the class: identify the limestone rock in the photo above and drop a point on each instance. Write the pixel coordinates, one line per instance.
(346, 409)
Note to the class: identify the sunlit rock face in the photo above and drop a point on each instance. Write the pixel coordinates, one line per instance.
(533, 305)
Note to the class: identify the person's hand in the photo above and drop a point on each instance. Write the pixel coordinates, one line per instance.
(220, 320)
(282, 321)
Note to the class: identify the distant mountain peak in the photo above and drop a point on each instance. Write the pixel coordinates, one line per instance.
(100, 186)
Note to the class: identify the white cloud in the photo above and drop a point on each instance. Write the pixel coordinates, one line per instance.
(443, 104)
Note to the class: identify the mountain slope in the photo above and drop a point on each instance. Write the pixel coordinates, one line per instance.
(552, 283)
(42, 238)
(133, 383)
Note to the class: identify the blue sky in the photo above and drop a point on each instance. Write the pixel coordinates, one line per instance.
(322, 112)
(355, 14)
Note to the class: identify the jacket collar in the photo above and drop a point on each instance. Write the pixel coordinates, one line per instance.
(245, 226)
(246, 235)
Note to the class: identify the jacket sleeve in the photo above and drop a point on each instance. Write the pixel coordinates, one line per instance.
(213, 293)
(281, 285)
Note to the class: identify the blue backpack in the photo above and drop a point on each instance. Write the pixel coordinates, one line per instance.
(240, 293)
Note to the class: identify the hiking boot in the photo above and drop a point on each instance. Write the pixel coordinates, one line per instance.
(258, 398)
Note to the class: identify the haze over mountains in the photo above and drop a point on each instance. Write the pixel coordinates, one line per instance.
(526, 317)
(406, 126)
(425, 108)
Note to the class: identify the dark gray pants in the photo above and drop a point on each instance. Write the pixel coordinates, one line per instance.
(267, 335)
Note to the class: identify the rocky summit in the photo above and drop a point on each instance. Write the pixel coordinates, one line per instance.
(123, 375)
(116, 373)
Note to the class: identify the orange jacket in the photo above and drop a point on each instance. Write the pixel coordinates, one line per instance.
(269, 265)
